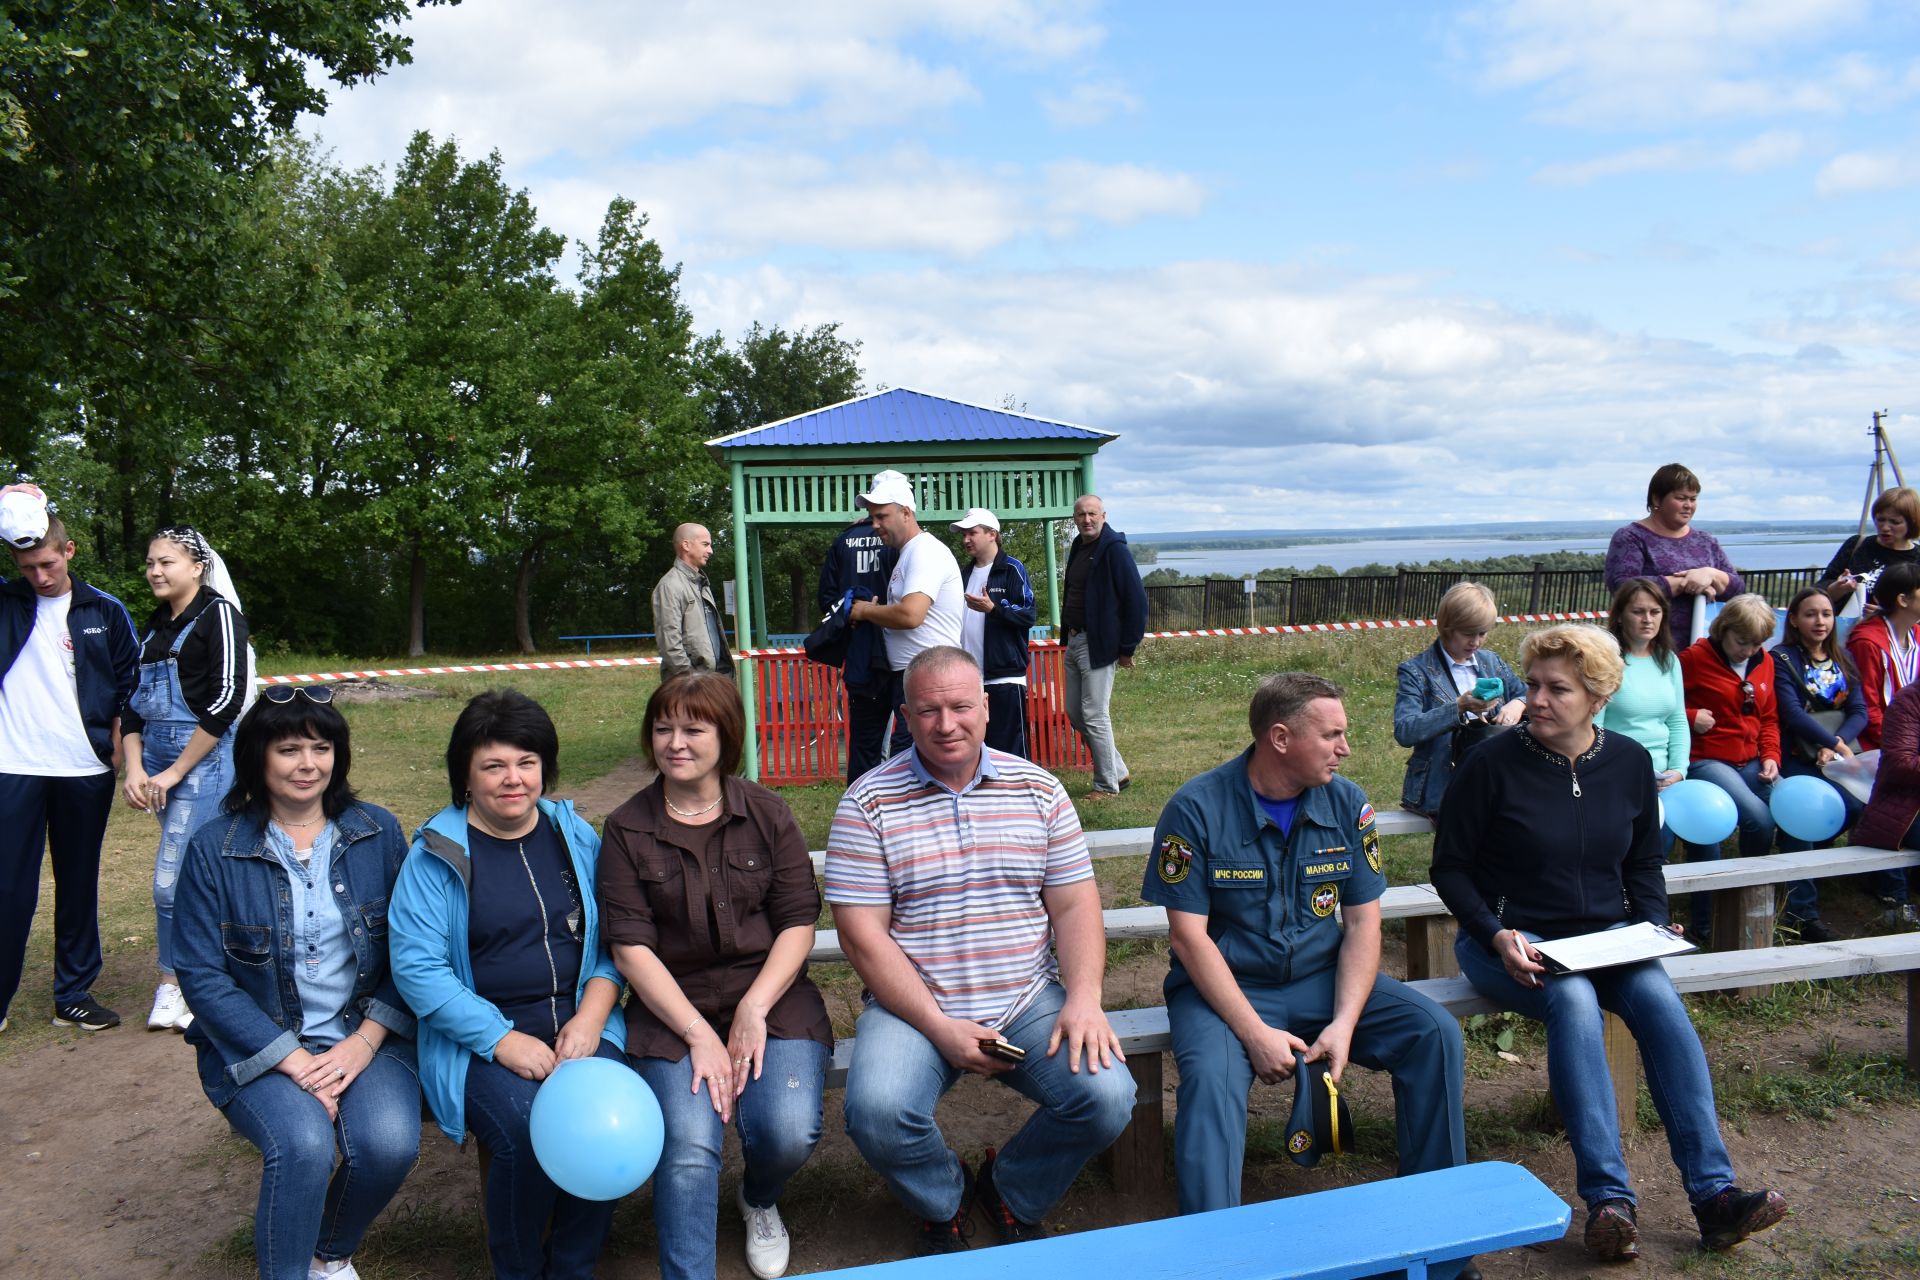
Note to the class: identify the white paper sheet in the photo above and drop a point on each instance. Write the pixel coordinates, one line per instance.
(1610, 947)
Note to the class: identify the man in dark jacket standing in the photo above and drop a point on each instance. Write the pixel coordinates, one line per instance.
(999, 614)
(859, 561)
(1103, 614)
(68, 659)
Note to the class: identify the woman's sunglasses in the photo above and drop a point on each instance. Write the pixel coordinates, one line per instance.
(281, 694)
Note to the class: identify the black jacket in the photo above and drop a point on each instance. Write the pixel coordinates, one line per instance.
(106, 655)
(857, 558)
(1516, 849)
(1116, 602)
(213, 660)
(1006, 631)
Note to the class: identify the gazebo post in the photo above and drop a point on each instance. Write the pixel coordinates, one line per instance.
(743, 618)
(1052, 539)
(758, 560)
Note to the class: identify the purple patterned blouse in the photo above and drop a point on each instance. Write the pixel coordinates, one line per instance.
(1638, 552)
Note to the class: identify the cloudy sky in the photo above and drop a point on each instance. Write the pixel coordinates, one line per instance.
(1320, 265)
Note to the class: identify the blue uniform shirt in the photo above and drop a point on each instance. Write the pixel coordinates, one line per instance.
(1269, 896)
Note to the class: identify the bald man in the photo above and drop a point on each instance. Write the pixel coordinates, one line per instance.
(685, 617)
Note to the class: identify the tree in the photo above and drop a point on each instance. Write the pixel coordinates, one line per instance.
(127, 136)
(770, 375)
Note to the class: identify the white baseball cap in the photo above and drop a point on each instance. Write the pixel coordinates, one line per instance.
(890, 488)
(23, 519)
(977, 518)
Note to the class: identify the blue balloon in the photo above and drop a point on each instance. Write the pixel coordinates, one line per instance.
(1699, 812)
(597, 1128)
(1808, 808)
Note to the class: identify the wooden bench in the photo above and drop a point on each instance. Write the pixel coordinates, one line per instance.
(1426, 1223)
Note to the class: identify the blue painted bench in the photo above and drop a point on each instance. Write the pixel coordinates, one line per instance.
(1425, 1224)
(612, 635)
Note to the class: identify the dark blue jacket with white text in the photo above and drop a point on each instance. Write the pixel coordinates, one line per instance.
(1004, 637)
(106, 652)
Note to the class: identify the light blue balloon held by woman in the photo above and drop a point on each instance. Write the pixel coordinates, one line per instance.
(1699, 812)
(597, 1129)
(1808, 808)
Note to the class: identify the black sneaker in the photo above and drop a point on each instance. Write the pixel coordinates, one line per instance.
(1009, 1228)
(1816, 931)
(85, 1013)
(1733, 1215)
(949, 1235)
(1613, 1235)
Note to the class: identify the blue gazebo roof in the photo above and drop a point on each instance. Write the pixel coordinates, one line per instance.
(904, 416)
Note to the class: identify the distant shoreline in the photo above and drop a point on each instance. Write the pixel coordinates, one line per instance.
(1509, 531)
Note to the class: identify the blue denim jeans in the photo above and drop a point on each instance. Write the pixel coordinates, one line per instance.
(308, 1207)
(1750, 795)
(1677, 1076)
(778, 1116)
(189, 806)
(522, 1203)
(897, 1078)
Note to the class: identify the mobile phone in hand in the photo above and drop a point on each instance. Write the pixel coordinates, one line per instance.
(1001, 1049)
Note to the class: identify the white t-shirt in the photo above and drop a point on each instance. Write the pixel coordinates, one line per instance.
(973, 623)
(925, 567)
(41, 732)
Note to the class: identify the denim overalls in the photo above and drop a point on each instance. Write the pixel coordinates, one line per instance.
(169, 724)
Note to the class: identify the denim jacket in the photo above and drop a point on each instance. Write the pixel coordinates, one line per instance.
(434, 968)
(1425, 712)
(233, 941)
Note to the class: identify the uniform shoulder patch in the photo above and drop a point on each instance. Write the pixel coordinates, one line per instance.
(1371, 843)
(1365, 819)
(1174, 859)
(1301, 1140)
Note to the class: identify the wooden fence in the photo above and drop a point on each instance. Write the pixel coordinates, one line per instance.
(1223, 602)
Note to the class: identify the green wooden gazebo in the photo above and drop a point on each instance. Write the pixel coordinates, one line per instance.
(810, 469)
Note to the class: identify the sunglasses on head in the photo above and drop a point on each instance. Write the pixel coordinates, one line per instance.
(281, 694)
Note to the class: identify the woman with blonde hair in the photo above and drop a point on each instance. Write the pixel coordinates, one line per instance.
(1551, 831)
(1437, 709)
(1735, 719)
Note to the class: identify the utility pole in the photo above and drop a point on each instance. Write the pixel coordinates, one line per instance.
(1883, 458)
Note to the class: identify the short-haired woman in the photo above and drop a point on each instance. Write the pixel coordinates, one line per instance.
(710, 904)
(1651, 705)
(1886, 647)
(1860, 559)
(496, 941)
(1665, 547)
(1435, 707)
(1736, 727)
(280, 934)
(1518, 864)
(195, 677)
(1821, 715)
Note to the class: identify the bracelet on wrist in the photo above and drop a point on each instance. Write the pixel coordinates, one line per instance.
(690, 1026)
(371, 1048)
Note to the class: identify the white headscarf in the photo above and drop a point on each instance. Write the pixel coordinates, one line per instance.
(217, 577)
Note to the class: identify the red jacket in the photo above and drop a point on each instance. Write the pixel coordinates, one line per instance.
(1711, 686)
(1870, 644)
(1896, 788)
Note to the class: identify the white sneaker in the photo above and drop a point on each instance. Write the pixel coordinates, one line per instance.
(767, 1243)
(338, 1269)
(170, 1012)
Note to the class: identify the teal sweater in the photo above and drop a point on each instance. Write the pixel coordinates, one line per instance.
(1651, 709)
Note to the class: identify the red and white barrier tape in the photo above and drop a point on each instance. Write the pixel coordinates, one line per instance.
(589, 664)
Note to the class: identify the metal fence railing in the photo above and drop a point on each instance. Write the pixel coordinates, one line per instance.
(1410, 593)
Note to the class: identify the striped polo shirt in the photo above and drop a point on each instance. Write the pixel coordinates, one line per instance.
(962, 872)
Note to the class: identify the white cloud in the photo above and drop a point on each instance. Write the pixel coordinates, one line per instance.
(1768, 150)
(1253, 396)
(727, 204)
(1867, 171)
(591, 77)
(1614, 62)
(1086, 105)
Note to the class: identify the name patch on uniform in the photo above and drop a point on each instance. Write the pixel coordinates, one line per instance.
(1174, 859)
(1335, 867)
(1371, 843)
(1239, 875)
(1325, 899)
(1365, 819)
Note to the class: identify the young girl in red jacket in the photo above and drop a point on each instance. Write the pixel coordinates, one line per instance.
(1886, 647)
(1728, 679)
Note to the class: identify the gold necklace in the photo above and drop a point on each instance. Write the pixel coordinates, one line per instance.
(296, 826)
(694, 813)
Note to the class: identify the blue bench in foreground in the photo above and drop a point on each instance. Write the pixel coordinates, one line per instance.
(1426, 1224)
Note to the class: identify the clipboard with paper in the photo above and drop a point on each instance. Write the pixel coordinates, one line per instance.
(1610, 947)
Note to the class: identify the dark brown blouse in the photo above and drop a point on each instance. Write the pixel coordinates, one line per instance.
(709, 901)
